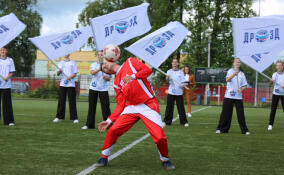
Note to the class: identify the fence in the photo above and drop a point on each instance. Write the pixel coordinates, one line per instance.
(27, 85)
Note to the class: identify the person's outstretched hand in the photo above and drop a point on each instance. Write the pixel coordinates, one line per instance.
(103, 126)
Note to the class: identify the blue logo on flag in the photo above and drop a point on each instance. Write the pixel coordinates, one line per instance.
(159, 42)
(261, 35)
(257, 57)
(121, 26)
(68, 39)
(3, 29)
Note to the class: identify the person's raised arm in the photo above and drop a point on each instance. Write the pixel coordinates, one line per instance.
(143, 71)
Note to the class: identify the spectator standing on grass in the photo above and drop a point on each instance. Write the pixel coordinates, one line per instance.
(7, 68)
(175, 94)
(236, 83)
(68, 71)
(98, 88)
(188, 93)
(278, 92)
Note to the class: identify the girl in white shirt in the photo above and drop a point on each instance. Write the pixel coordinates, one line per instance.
(278, 92)
(7, 68)
(236, 83)
(175, 94)
(98, 88)
(68, 71)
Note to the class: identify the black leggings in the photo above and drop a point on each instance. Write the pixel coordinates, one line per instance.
(170, 109)
(227, 112)
(275, 100)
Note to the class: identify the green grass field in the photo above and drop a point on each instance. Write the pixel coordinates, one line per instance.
(36, 145)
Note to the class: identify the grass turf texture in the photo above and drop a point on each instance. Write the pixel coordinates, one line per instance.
(36, 145)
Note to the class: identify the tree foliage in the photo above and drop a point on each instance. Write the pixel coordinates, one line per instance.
(199, 16)
(20, 49)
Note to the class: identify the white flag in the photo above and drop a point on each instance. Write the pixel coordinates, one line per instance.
(120, 26)
(58, 45)
(258, 40)
(156, 47)
(10, 28)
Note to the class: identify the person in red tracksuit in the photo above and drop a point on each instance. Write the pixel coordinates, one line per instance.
(135, 101)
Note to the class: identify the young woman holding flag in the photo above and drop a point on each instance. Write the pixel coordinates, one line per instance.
(236, 83)
(278, 92)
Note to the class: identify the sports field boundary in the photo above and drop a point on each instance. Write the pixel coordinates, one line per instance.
(128, 147)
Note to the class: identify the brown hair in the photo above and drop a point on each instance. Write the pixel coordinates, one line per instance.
(189, 71)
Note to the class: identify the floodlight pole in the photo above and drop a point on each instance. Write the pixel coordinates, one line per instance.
(207, 88)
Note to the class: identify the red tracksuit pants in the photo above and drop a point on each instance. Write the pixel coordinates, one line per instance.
(125, 122)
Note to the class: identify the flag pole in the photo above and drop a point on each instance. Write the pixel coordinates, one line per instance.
(171, 78)
(270, 79)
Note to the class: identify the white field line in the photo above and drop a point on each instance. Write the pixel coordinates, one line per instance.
(128, 147)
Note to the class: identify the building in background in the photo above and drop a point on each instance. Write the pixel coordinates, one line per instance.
(44, 67)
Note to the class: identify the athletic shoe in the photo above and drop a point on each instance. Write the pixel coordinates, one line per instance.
(168, 165)
(189, 115)
(11, 124)
(218, 131)
(56, 120)
(247, 133)
(186, 125)
(84, 127)
(102, 162)
(269, 127)
(76, 121)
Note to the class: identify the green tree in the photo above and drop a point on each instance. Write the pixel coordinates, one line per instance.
(214, 18)
(207, 17)
(20, 49)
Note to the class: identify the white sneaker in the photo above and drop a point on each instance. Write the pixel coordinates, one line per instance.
(186, 125)
(177, 115)
(269, 127)
(189, 115)
(84, 127)
(56, 120)
(11, 124)
(76, 121)
(247, 133)
(218, 131)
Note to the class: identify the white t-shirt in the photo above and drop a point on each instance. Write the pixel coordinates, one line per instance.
(98, 83)
(186, 77)
(232, 85)
(69, 68)
(278, 78)
(175, 88)
(6, 66)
